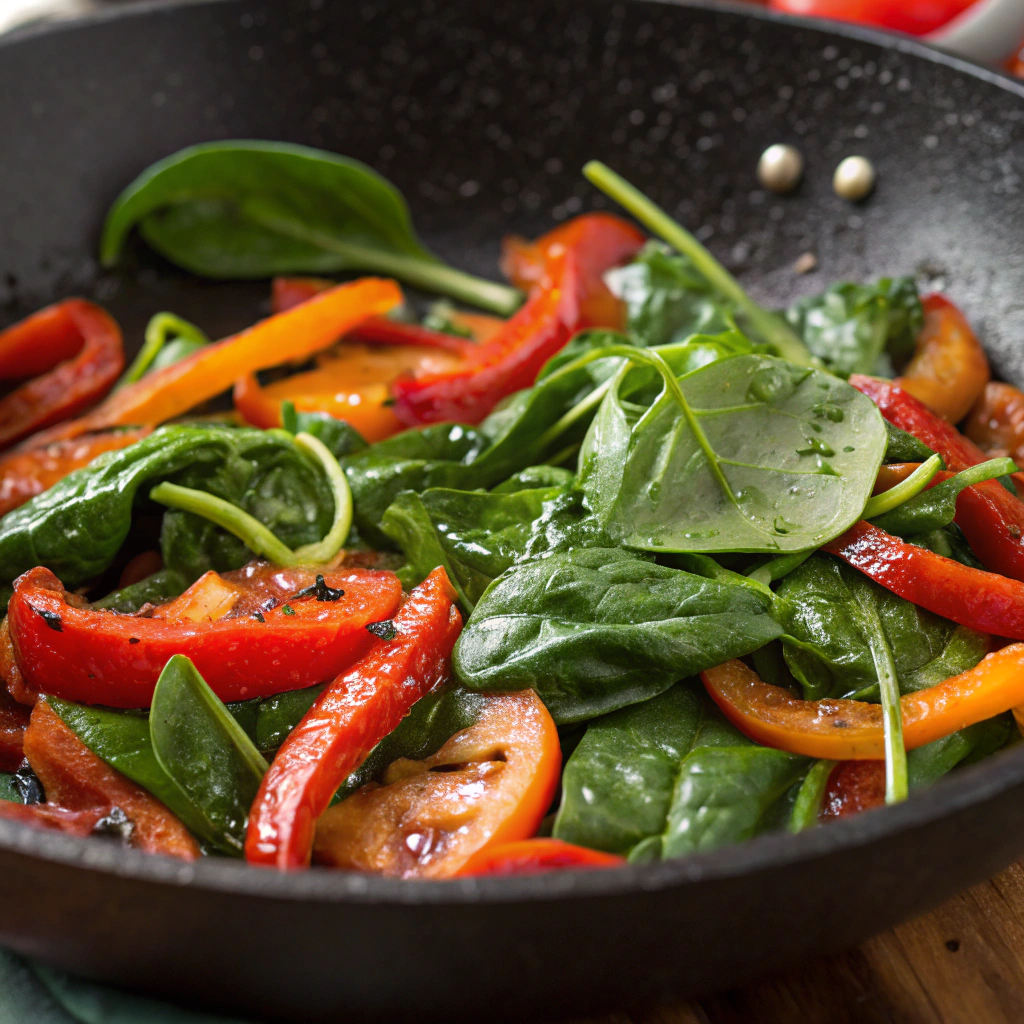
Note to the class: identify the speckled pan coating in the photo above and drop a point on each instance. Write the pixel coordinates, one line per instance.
(483, 112)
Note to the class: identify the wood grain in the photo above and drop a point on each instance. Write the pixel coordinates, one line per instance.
(961, 964)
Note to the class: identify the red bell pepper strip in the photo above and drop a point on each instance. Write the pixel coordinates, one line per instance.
(78, 344)
(991, 518)
(13, 723)
(55, 819)
(598, 242)
(94, 656)
(851, 730)
(295, 335)
(73, 777)
(24, 474)
(853, 786)
(11, 679)
(983, 601)
(349, 718)
(536, 856)
(509, 362)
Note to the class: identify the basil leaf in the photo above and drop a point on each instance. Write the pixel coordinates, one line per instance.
(765, 457)
(242, 209)
(854, 328)
(592, 630)
(670, 776)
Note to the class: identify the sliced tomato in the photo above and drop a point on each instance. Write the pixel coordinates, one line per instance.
(537, 856)
(489, 784)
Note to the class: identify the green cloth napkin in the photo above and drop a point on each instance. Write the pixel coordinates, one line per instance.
(33, 994)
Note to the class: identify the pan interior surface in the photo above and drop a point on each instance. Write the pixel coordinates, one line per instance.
(483, 115)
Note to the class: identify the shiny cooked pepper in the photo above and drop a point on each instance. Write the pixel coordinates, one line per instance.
(853, 787)
(850, 730)
(355, 712)
(295, 335)
(24, 474)
(536, 856)
(55, 819)
(74, 352)
(13, 723)
(598, 241)
(983, 601)
(74, 778)
(991, 518)
(94, 656)
(507, 363)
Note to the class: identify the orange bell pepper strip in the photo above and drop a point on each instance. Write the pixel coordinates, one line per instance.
(509, 362)
(850, 730)
(991, 518)
(537, 856)
(598, 242)
(79, 345)
(55, 819)
(24, 474)
(94, 656)
(295, 335)
(347, 721)
(73, 777)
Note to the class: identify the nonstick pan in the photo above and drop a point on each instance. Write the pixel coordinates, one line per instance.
(483, 113)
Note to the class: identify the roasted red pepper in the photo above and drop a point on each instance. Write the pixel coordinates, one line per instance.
(74, 778)
(24, 474)
(13, 723)
(983, 601)
(535, 856)
(75, 348)
(55, 819)
(991, 518)
(350, 717)
(598, 242)
(509, 362)
(100, 657)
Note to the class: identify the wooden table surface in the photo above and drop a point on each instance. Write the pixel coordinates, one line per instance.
(962, 964)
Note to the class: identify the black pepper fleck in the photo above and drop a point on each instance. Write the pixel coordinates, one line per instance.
(133, 640)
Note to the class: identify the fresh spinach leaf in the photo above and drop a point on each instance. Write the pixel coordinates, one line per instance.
(904, 447)
(855, 328)
(207, 754)
(340, 437)
(749, 454)
(536, 478)
(159, 588)
(244, 209)
(8, 789)
(669, 776)
(592, 630)
(827, 645)
(277, 716)
(949, 542)
(929, 763)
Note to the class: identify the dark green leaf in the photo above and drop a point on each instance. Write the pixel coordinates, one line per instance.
(340, 437)
(777, 458)
(593, 630)
(8, 790)
(950, 543)
(205, 751)
(855, 328)
(159, 588)
(904, 447)
(670, 776)
(277, 716)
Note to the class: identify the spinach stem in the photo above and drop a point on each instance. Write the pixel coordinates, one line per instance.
(903, 491)
(896, 784)
(772, 328)
(160, 327)
(430, 275)
(251, 532)
(778, 567)
(810, 797)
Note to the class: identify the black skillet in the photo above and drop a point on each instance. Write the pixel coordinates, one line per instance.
(483, 113)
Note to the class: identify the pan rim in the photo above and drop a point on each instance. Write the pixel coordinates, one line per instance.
(968, 789)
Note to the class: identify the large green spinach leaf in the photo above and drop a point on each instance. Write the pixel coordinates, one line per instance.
(857, 328)
(670, 776)
(828, 647)
(592, 630)
(748, 454)
(243, 209)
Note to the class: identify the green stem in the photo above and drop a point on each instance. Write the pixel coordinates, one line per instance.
(984, 471)
(430, 275)
(778, 567)
(251, 532)
(160, 327)
(904, 491)
(772, 328)
(576, 413)
(810, 797)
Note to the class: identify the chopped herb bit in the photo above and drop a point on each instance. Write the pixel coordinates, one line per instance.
(384, 630)
(288, 610)
(320, 591)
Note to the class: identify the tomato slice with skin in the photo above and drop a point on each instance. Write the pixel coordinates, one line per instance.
(489, 785)
(537, 856)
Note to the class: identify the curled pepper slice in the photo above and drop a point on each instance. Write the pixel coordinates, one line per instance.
(295, 335)
(991, 518)
(93, 656)
(536, 856)
(76, 349)
(55, 819)
(850, 730)
(355, 712)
